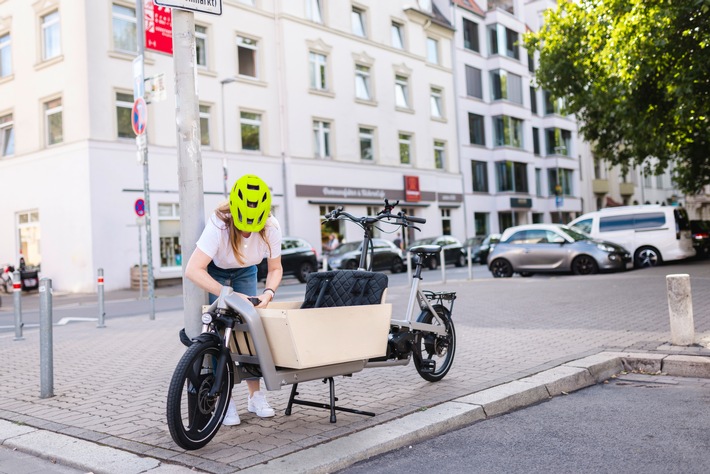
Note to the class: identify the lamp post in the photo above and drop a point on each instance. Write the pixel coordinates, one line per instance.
(560, 149)
(228, 80)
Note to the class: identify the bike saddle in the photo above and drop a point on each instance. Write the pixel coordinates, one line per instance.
(426, 249)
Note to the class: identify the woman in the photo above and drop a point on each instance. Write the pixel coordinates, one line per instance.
(237, 237)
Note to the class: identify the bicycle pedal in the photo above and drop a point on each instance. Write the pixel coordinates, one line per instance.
(428, 366)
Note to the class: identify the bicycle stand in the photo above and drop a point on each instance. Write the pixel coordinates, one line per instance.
(292, 400)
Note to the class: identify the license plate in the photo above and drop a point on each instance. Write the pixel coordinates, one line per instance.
(30, 282)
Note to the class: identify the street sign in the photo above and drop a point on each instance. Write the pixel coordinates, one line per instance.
(158, 23)
(139, 206)
(559, 200)
(139, 116)
(138, 82)
(155, 89)
(205, 6)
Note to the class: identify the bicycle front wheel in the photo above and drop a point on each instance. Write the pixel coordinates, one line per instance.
(194, 417)
(439, 348)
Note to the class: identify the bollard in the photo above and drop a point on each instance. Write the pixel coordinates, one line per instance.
(17, 299)
(325, 263)
(46, 359)
(442, 259)
(100, 291)
(680, 307)
(470, 263)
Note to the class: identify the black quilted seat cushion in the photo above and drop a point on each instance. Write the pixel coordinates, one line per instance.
(344, 288)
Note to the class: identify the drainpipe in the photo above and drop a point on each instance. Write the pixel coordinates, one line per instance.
(283, 118)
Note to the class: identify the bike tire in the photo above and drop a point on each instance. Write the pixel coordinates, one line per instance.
(193, 417)
(440, 348)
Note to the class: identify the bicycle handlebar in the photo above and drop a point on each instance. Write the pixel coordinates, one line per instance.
(399, 219)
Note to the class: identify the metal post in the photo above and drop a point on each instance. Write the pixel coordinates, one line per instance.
(100, 290)
(192, 205)
(225, 171)
(17, 299)
(470, 263)
(46, 358)
(140, 258)
(325, 263)
(442, 259)
(146, 187)
(409, 266)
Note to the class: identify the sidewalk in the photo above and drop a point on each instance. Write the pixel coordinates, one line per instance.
(110, 386)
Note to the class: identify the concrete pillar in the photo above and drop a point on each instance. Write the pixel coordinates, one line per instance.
(680, 307)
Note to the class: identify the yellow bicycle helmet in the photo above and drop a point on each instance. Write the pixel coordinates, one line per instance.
(250, 203)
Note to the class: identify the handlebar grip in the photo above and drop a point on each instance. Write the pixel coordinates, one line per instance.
(418, 220)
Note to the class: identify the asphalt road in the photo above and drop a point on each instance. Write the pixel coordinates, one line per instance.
(634, 424)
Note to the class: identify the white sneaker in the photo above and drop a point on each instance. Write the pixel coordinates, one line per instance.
(257, 404)
(231, 418)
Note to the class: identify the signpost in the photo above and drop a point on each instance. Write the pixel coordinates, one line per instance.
(139, 207)
(158, 28)
(204, 6)
(139, 116)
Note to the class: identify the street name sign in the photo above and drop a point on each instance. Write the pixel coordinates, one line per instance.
(213, 7)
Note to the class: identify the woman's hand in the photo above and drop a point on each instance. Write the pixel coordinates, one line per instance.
(264, 300)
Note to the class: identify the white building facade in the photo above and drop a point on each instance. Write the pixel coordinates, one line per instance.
(332, 103)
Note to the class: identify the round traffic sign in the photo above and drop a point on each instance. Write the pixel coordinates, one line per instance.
(140, 207)
(139, 116)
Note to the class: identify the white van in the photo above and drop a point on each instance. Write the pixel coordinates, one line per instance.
(651, 233)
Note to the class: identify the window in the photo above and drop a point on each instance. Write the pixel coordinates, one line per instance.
(318, 71)
(538, 182)
(201, 45)
(251, 130)
(533, 100)
(362, 82)
(7, 136)
(446, 225)
(321, 139)
(124, 106)
(439, 155)
(367, 140)
(512, 176)
(553, 106)
(505, 85)
(405, 149)
(585, 225)
(502, 40)
(358, 22)
(470, 35)
(531, 61)
(124, 28)
(437, 110)
(51, 45)
(476, 131)
(565, 181)
(53, 121)
(401, 91)
(205, 125)
(536, 141)
(246, 56)
(559, 141)
(479, 176)
(397, 35)
(480, 223)
(5, 55)
(508, 131)
(659, 181)
(29, 236)
(314, 11)
(474, 87)
(169, 230)
(432, 50)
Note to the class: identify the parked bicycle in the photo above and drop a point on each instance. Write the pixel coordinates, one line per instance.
(233, 331)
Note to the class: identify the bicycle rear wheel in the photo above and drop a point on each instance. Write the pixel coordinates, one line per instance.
(439, 348)
(194, 417)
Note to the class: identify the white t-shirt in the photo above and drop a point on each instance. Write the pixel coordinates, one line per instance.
(214, 242)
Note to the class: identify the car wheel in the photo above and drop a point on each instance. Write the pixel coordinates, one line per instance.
(526, 274)
(303, 271)
(647, 257)
(501, 268)
(584, 265)
(351, 265)
(432, 263)
(397, 265)
(461, 260)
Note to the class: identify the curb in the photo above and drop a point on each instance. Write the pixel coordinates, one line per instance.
(345, 451)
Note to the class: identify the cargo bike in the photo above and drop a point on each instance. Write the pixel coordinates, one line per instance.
(343, 326)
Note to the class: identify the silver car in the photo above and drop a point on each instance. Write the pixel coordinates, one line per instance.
(538, 248)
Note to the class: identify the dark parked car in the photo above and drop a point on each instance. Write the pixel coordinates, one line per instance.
(486, 246)
(545, 248)
(387, 256)
(700, 233)
(474, 243)
(454, 252)
(298, 258)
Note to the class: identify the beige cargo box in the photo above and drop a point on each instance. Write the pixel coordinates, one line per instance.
(303, 338)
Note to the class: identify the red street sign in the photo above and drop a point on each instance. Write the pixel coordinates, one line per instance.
(140, 207)
(158, 23)
(411, 189)
(139, 116)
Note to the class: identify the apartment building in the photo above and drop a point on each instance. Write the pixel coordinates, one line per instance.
(333, 103)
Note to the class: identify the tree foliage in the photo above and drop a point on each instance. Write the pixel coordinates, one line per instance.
(636, 73)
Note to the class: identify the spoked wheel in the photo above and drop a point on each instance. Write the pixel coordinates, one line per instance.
(501, 268)
(304, 270)
(194, 417)
(647, 257)
(439, 348)
(584, 265)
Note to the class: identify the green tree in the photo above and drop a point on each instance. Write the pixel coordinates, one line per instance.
(636, 73)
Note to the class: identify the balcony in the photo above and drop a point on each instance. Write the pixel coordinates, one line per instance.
(626, 189)
(600, 186)
(506, 5)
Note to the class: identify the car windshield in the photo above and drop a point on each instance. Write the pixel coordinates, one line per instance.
(345, 248)
(427, 241)
(576, 235)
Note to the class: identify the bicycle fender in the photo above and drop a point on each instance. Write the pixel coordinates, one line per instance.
(209, 337)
